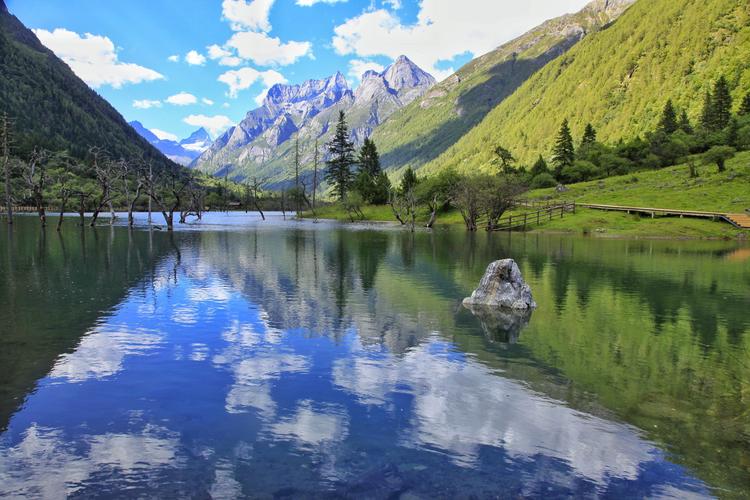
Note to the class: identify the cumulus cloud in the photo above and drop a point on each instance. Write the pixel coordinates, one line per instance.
(224, 56)
(94, 59)
(182, 99)
(265, 50)
(244, 78)
(443, 30)
(173, 58)
(309, 3)
(207, 102)
(193, 58)
(214, 124)
(357, 67)
(146, 103)
(164, 136)
(252, 15)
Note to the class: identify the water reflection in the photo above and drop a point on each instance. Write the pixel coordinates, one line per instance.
(317, 361)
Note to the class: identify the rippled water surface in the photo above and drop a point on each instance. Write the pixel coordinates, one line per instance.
(244, 359)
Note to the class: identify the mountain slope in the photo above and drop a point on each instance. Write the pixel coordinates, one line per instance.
(51, 107)
(263, 145)
(182, 152)
(619, 79)
(429, 126)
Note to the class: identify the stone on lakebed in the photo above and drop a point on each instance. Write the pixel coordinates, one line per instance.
(502, 286)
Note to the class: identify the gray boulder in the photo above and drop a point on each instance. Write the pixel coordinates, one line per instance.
(502, 286)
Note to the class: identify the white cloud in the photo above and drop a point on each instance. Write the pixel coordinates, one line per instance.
(94, 59)
(164, 136)
(214, 124)
(253, 15)
(309, 3)
(357, 67)
(444, 30)
(174, 58)
(146, 104)
(207, 102)
(265, 50)
(244, 78)
(224, 56)
(395, 4)
(193, 58)
(182, 99)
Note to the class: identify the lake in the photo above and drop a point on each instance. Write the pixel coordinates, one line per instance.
(286, 359)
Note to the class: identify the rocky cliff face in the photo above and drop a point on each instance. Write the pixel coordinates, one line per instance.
(262, 143)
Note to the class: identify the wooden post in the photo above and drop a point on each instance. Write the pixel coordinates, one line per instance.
(524, 221)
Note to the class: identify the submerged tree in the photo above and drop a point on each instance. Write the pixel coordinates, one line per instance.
(6, 144)
(34, 174)
(341, 153)
(563, 154)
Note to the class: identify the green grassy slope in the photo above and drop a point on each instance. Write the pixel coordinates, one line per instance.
(51, 107)
(619, 79)
(667, 188)
(430, 125)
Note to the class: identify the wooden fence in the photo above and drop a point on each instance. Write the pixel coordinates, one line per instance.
(536, 217)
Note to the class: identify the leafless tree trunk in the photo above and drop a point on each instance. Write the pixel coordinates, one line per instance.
(256, 187)
(6, 142)
(64, 196)
(35, 176)
(105, 176)
(315, 180)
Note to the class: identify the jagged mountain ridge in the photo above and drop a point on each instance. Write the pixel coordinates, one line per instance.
(182, 152)
(427, 127)
(262, 145)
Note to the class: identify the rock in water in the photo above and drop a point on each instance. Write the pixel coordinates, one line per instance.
(502, 286)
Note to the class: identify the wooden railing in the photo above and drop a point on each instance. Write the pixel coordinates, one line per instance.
(536, 217)
(19, 209)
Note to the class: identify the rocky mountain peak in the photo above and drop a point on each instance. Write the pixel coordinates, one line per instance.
(199, 135)
(404, 73)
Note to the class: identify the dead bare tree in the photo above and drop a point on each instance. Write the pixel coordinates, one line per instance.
(63, 178)
(315, 180)
(34, 174)
(131, 181)
(195, 194)
(105, 175)
(257, 187)
(167, 190)
(6, 144)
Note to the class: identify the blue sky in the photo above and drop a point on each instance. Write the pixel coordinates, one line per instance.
(176, 65)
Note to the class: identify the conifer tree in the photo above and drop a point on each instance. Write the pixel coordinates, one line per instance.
(408, 181)
(563, 154)
(369, 158)
(540, 167)
(668, 122)
(722, 104)
(707, 115)
(684, 123)
(745, 106)
(589, 135)
(341, 151)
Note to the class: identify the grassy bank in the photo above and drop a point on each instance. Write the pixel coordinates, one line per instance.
(671, 187)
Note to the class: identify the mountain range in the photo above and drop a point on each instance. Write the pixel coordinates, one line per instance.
(263, 143)
(51, 107)
(182, 152)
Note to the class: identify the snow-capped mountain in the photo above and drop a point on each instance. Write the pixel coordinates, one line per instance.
(262, 144)
(182, 152)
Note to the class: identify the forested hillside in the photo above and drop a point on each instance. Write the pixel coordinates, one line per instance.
(50, 107)
(619, 80)
(429, 126)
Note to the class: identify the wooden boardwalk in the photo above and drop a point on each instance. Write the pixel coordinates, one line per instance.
(741, 221)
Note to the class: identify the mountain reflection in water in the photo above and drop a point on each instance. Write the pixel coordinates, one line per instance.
(301, 360)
